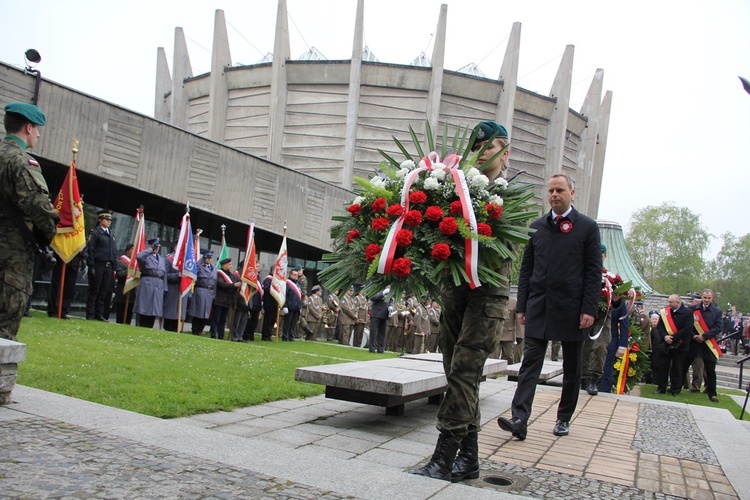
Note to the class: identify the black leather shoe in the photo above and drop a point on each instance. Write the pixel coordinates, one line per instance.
(515, 426)
(660, 391)
(561, 428)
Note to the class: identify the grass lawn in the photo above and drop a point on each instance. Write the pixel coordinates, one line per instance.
(699, 398)
(165, 374)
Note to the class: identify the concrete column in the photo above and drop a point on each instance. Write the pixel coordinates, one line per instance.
(352, 110)
(163, 87)
(509, 77)
(435, 93)
(181, 70)
(218, 98)
(587, 148)
(602, 130)
(558, 125)
(281, 53)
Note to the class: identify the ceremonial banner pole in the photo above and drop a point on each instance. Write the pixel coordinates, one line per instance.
(278, 282)
(180, 322)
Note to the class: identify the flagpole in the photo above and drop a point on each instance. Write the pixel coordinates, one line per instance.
(180, 322)
(278, 310)
(62, 289)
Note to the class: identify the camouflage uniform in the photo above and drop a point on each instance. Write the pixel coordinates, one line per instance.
(470, 327)
(23, 185)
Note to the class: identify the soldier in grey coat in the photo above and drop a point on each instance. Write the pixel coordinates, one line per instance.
(149, 301)
(203, 296)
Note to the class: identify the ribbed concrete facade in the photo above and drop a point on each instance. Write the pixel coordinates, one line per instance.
(329, 118)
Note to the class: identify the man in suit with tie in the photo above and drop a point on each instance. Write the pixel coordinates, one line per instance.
(558, 297)
(672, 345)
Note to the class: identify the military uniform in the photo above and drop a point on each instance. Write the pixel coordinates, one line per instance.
(314, 314)
(101, 250)
(432, 341)
(348, 318)
(149, 301)
(203, 295)
(359, 329)
(23, 187)
(334, 308)
(512, 331)
(172, 308)
(421, 329)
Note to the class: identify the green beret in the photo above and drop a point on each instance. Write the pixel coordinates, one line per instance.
(28, 111)
(485, 130)
(604, 248)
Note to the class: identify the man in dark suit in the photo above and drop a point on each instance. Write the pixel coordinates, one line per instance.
(101, 257)
(558, 297)
(671, 345)
(706, 326)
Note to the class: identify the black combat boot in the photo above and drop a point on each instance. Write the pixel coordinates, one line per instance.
(593, 386)
(441, 463)
(309, 334)
(466, 465)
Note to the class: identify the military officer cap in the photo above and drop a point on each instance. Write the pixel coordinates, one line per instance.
(225, 261)
(154, 241)
(639, 303)
(104, 214)
(697, 296)
(316, 288)
(29, 111)
(208, 254)
(485, 130)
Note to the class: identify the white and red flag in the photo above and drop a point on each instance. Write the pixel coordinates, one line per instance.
(278, 283)
(184, 256)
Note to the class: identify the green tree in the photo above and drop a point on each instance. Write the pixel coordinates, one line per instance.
(731, 272)
(666, 244)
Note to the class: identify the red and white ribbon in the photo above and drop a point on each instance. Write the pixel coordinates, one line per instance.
(462, 188)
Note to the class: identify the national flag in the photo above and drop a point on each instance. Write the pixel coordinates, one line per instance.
(224, 254)
(197, 244)
(71, 230)
(249, 272)
(278, 283)
(139, 245)
(184, 256)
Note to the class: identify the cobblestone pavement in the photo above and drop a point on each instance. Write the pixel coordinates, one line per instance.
(40, 458)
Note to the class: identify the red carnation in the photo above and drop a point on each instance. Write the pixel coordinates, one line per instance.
(484, 229)
(457, 208)
(404, 238)
(395, 210)
(354, 209)
(441, 251)
(378, 205)
(413, 218)
(372, 251)
(351, 235)
(433, 213)
(402, 267)
(380, 223)
(635, 347)
(417, 197)
(448, 226)
(494, 210)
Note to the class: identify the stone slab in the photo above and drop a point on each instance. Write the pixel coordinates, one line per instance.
(11, 352)
(551, 369)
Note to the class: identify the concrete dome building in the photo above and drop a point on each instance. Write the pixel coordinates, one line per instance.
(329, 118)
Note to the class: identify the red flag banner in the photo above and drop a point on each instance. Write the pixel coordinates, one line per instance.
(249, 272)
(185, 260)
(71, 231)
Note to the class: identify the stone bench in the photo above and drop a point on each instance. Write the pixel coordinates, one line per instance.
(11, 353)
(551, 369)
(390, 383)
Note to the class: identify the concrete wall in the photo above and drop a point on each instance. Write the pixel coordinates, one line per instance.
(124, 147)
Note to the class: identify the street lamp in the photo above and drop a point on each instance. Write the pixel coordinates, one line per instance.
(33, 58)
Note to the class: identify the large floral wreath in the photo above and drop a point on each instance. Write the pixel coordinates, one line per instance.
(416, 221)
(630, 369)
